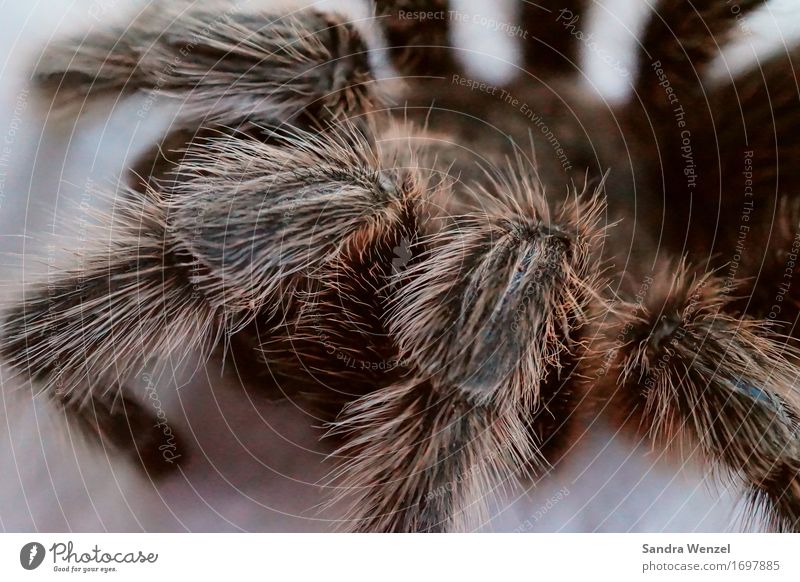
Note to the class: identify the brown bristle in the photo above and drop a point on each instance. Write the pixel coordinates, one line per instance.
(696, 377)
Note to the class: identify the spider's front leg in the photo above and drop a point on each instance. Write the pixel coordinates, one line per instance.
(483, 323)
(690, 375)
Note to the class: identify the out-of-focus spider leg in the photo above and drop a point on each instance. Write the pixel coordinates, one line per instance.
(757, 205)
(548, 35)
(679, 143)
(682, 38)
(221, 65)
(418, 35)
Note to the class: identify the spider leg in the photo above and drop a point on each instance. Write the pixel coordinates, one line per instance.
(674, 120)
(222, 65)
(418, 35)
(238, 234)
(264, 219)
(690, 375)
(415, 458)
(130, 427)
(81, 334)
(237, 73)
(679, 42)
(550, 46)
(758, 181)
(481, 321)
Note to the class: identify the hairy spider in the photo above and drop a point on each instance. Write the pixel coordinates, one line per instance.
(337, 191)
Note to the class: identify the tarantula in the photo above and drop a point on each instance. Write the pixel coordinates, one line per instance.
(454, 277)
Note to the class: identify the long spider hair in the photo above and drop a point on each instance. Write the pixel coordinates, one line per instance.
(452, 283)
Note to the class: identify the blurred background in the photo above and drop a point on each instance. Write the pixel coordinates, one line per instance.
(256, 465)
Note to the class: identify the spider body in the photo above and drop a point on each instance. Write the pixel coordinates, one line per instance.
(422, 273)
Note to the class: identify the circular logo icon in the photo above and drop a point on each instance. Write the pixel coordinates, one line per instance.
(31, 555)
